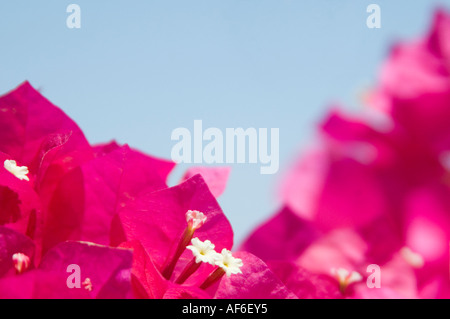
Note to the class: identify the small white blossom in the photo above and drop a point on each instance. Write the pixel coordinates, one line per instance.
(87, 284)
(412, 258)
(18, 171)
(346, 278)
(203, 251)
(195, 219)
(21, 262)
(227, 262)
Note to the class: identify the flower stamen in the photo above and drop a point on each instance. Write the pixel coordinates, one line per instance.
(195, 220)
(413, 259)
(21, 262)
(87, 284)
(345, 278)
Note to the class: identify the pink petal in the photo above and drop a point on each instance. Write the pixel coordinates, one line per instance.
(284, 237)
(305, 284)
(146, 280)
(38, 284)
(19, 202)
(257, 281)
(215, 177)
(334, 192)
(27, 120)
(87, 198)
(109, 269)
(185, 292)
(428, 223)
(342, 248)
(12, 242)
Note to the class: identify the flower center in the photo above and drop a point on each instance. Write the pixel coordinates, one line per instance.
(87, 284)
(345, 278)
(415, 260)
(21, 262)
(18, 171)
(228, 265)
(203, 252)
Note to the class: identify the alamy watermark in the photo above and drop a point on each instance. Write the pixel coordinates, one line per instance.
(235, 145)
(374, 19)
(73, 21)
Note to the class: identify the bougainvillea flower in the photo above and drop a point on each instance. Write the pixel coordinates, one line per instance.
(333, 191)
(78, 187)
(158, 219)
(284, 237)
(427, 234)
(415, 85)
(419, 67)
(347, 252)
(337, 266)
(65, 189)
(160, 226)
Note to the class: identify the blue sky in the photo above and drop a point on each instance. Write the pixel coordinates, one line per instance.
(136, 70)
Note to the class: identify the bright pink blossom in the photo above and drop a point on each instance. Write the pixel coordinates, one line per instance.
(156, 226)
(376, 192)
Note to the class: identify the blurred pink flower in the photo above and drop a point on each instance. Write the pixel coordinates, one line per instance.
(415, 86)
(387, 185)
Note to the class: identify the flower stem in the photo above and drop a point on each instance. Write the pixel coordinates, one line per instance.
(190, 268)
(171, 262)
(212, 278)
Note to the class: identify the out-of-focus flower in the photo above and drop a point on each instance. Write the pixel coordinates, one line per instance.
(387, 185)
(414, 86)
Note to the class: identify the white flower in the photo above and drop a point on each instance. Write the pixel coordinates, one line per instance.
(87, 284)
(203, 251)
(195, 219)
(412, 258)
(18, 171)
(21, 262)
(344, 277)
(227, 262)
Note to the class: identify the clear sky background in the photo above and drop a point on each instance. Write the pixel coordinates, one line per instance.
(136, 70)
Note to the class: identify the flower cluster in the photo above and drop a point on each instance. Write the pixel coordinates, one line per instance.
(99, 221)
(375, 193)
